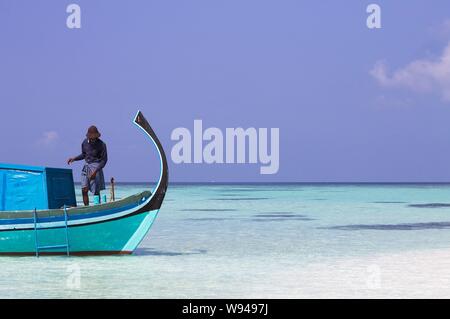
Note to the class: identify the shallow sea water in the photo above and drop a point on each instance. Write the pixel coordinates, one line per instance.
(265, 241)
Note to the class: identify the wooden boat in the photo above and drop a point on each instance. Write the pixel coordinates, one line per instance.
(107, 229)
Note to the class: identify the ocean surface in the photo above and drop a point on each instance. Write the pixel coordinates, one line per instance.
(264, 241)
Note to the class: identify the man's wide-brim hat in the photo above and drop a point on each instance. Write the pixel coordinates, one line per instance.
(93, 133)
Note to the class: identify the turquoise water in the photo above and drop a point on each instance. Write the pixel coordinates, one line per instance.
(253, 241)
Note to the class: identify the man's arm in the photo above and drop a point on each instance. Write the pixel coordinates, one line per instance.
(80, 157)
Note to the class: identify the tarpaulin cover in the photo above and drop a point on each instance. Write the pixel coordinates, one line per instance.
(27, 188)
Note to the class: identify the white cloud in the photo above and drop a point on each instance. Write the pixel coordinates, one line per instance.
(48, 139)
(425, 75)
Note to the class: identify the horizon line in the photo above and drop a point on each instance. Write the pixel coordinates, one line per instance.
(282, 183)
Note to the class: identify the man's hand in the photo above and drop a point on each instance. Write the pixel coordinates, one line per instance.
(93, 175)
(70, 161)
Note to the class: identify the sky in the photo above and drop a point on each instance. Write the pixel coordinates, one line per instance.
(352, 104)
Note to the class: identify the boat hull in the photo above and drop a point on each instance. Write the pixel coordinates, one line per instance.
(113, 237)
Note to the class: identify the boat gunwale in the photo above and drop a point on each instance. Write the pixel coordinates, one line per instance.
(76, 211)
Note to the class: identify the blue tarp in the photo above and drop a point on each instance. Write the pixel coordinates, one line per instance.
(28, 187)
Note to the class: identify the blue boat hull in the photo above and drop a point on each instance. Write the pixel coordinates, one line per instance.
(117, 236)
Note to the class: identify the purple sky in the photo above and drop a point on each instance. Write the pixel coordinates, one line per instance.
(352, 104)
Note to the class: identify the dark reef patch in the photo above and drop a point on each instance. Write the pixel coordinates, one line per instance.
(406, 226)
(431, 205)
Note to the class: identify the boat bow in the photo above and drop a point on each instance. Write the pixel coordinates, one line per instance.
(159, 192)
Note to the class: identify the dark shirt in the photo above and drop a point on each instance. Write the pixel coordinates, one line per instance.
(93, 152)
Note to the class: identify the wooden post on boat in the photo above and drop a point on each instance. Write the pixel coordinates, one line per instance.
(113, 194)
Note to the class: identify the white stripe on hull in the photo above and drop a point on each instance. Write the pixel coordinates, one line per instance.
(77, 221)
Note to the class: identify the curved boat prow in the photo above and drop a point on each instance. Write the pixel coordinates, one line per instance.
(159, 192)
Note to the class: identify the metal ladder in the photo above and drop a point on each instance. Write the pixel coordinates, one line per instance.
(51, 247)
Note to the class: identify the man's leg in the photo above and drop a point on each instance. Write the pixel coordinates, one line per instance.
(97, 193)
(85, 192)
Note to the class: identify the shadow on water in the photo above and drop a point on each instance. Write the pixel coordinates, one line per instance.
(430, 205)
(154, 252)
(407, 226)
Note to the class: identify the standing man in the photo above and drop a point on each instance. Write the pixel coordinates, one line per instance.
(93, 151)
